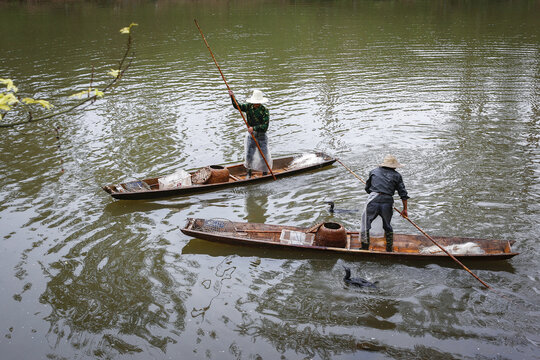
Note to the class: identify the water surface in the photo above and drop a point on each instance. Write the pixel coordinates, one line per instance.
(450, 88)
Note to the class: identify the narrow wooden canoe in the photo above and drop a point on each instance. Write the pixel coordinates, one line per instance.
(293, 237)
(150, 189)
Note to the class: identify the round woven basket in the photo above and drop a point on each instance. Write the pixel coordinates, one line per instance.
(331, 235)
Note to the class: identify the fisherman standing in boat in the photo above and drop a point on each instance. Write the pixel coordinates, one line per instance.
(381, 186)
(258, 119)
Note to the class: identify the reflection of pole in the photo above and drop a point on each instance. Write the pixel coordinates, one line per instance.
(234, 98)
(424, 233)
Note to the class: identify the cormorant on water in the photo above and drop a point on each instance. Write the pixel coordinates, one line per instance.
(332, 210)
(357, 281)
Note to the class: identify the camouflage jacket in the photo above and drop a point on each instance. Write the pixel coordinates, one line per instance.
(258, 118)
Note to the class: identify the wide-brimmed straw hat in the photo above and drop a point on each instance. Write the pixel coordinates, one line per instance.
(390, 161)
(257, 97)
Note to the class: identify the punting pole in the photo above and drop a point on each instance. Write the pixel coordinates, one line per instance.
(234, 97)
(424, 233)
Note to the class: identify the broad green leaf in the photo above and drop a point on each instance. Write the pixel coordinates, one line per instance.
(44, 103)
(114, 73)
(47, 105)
(9, 84)
(80, 94)
(8, 99)
(127, 29)
(97, 93)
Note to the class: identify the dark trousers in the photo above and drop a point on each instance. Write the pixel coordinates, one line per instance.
(385, 210)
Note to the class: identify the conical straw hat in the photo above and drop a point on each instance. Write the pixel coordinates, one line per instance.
(390, 161)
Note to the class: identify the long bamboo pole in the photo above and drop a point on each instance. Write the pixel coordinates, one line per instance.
(234, 98)
(424, 233)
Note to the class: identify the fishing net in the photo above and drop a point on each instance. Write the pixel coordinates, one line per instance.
(215, 225)
(134, 186)
(201, 176)
(252, 155)
(469, 248)
(305, 160)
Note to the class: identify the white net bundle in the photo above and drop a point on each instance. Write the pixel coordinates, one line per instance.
(469, 248)
(305, 160)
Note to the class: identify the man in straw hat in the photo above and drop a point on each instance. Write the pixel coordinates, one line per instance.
(258, 119)
(381, 185)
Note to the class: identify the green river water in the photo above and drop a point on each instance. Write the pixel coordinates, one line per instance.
(451, 88)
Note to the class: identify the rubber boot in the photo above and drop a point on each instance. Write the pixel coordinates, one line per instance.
(389, 241)
(364, 238)
(248, 174)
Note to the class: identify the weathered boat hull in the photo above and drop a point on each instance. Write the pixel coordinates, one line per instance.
(238, 178)
(405, 246)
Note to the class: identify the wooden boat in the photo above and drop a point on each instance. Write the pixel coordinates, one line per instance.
(237, 175)
(293, 237)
